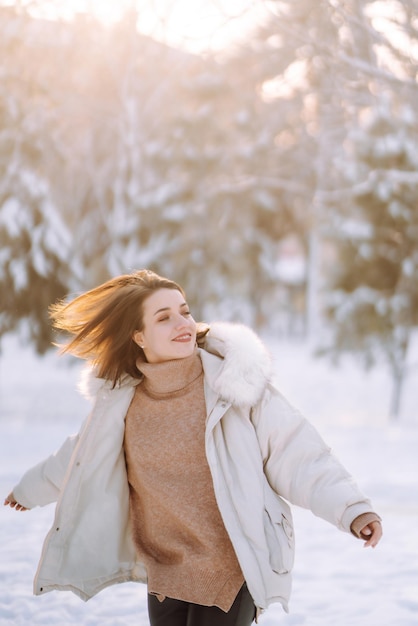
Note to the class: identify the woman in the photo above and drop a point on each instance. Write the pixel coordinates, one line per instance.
(178, 475)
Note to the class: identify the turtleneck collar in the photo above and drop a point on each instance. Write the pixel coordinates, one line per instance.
(170, 377)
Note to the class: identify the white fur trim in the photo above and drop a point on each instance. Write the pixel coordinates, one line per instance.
(247, 364)
(89, 384)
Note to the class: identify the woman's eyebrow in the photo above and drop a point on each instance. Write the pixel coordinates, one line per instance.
(167, 308)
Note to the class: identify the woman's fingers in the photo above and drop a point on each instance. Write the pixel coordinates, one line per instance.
(10, 501)
(372, 533)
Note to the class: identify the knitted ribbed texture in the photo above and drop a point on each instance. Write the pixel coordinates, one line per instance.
(361, 521)
(177, 527)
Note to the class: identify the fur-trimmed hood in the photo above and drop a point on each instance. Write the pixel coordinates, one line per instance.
(239, 378)
(246, 366)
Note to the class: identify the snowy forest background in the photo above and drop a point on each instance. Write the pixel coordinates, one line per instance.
(275, 177)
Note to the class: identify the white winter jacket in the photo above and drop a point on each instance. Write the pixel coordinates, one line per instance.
(259, 449)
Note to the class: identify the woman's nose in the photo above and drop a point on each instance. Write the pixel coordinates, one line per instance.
(181, 321)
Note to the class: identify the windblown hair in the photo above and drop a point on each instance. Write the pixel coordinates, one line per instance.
(102, 322)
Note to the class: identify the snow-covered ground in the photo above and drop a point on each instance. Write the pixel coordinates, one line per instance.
(336, 581)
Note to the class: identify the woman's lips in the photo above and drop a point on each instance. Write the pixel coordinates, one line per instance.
(183, 338)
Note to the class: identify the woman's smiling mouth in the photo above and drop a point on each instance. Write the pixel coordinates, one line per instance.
(183, 337)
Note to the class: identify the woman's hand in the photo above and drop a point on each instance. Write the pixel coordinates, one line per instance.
(10, 501)
(372, 533)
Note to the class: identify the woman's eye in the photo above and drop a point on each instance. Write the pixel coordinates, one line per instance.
(165, 318)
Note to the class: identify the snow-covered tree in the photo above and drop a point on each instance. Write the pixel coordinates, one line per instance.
(222, 201)
(32, 274)
(294, 59)
(374, 301)
(34, 241)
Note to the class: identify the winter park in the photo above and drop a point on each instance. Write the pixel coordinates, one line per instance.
(264, 156)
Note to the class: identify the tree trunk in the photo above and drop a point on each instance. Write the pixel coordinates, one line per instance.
(399, 374)
(396, 395)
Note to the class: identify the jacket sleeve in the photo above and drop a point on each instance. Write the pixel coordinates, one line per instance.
(41, 484)
(301, 468)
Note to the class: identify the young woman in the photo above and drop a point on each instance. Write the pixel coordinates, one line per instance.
(180, 475)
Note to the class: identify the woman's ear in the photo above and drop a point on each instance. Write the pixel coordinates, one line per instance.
(138, 338)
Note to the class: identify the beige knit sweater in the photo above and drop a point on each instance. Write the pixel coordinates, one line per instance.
(177, 527)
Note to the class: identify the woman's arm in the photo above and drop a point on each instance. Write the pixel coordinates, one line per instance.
(41, 484)
(301, 468)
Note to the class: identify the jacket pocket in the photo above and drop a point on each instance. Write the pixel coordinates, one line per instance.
(278, 527)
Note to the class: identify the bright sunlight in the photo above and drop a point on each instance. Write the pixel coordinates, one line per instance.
(192, 24)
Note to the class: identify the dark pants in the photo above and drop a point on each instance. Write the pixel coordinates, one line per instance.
(178, 613)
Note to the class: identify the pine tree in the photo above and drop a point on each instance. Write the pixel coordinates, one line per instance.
(374, 302)
(34, 241)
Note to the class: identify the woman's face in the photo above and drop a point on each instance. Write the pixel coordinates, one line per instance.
(169, 331)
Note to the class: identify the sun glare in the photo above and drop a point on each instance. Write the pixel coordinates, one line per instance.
(106, 11)
(191, 24)
(196, 24)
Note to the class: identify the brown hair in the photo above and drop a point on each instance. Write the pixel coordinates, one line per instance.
(102, 322)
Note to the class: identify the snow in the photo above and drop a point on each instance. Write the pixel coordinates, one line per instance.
(11, 217)
(336, 581)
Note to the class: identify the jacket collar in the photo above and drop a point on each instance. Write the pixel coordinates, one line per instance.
(237, 366)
